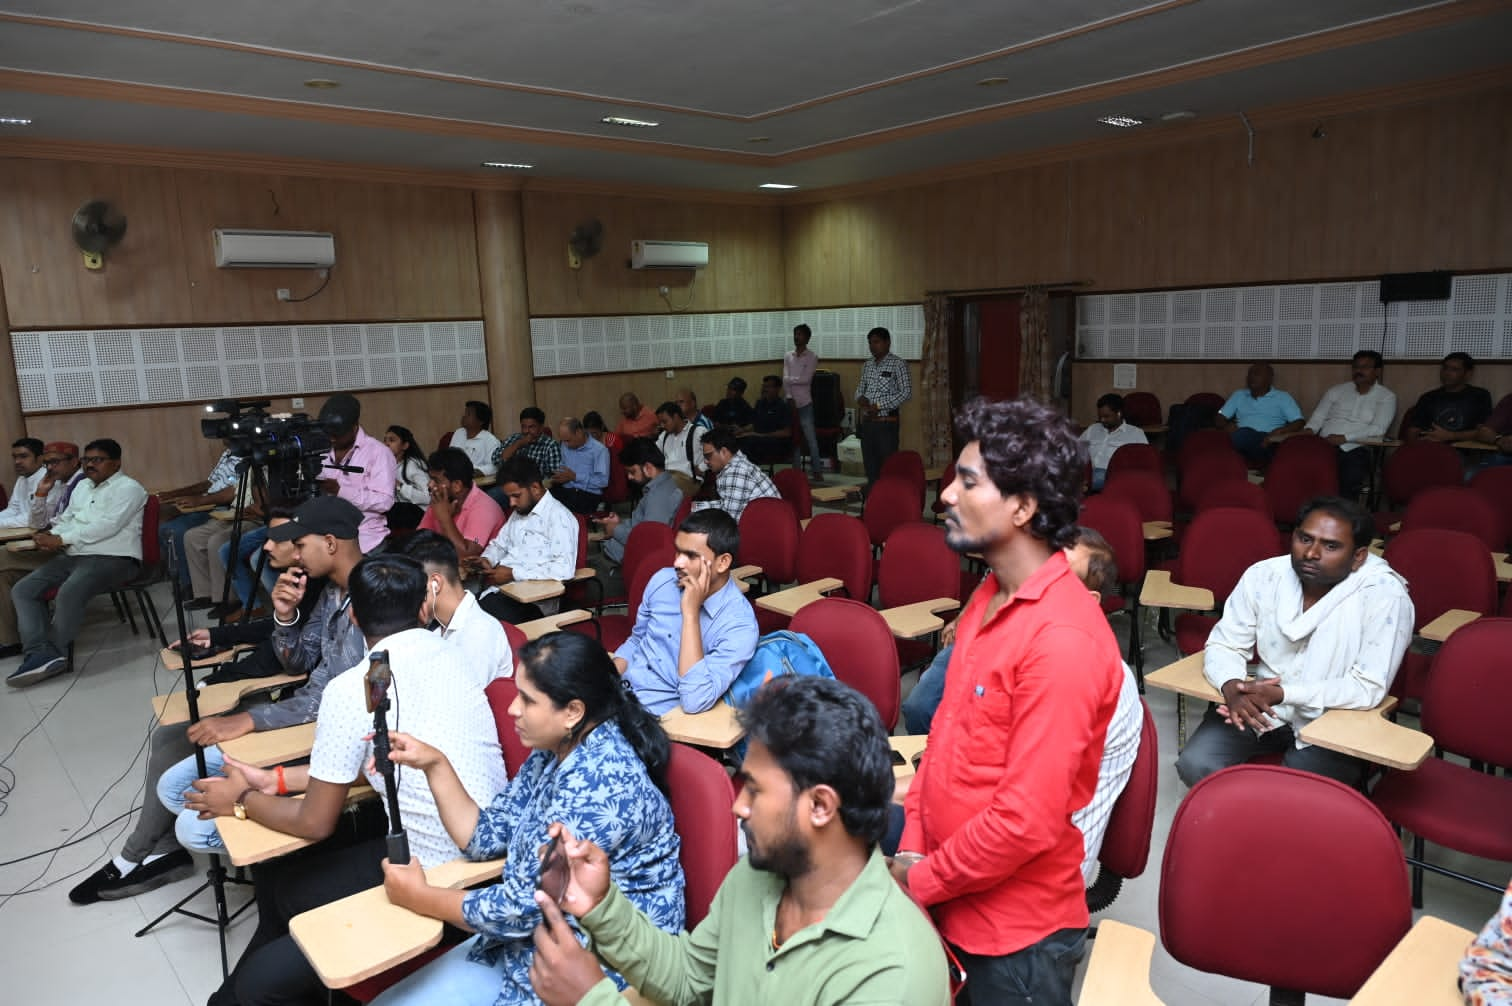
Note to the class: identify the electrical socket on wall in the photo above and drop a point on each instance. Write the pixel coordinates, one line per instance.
(283, 293)
(297, 403)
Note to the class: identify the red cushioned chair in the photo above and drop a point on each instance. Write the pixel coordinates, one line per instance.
(1146, 490)
(1219, 546)
(517, 639)
(152, 572)
(1118, 521)
(1444, 570)
(1410, 469)
(1201, 471)
(613, 630)
(859, 647)
(946, 477)
(917, 565)
(906, 465)
(1126, 844)
(1233, 493)
(1296, 476)
(445, 441)
(1325, 869)
(1457, 508)
(702, 795)
(891, 503)
(1200, 441)
(1205, 400)
(618, 489)
(1464, 709)
(683, 509)
(833, 545)
(1495, 484)
(1136, 457)
(769, 539)
(793, 485)
(1141, 408)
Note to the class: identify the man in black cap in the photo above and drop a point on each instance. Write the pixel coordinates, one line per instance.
(323, 644)
(370, 490)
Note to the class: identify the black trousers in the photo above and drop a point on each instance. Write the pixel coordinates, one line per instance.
(1040, 974)
(273, 970)
(577, 500)
(879, 440)
(505, 608)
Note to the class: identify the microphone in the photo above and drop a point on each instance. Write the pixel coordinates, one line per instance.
(378, 678)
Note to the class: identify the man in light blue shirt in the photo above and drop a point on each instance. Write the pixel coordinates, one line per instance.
(695, 630)
(584, 474)
(1259, 414)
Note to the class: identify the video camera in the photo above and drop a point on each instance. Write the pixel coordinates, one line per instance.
(292, 447)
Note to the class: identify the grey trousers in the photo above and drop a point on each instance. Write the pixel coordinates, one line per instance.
(1216, 745)
(202, 545)
(78, 578)
(153, 833)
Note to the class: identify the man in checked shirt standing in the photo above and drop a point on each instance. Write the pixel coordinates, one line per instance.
(880, 395)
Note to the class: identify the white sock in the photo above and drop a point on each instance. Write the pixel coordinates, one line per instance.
(155, 855)
(124, 865)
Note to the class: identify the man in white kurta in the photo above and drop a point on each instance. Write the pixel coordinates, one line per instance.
(1330, 622)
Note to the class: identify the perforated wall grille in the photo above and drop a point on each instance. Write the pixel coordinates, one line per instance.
(1303, 321)
(561, 347)
(86, 369)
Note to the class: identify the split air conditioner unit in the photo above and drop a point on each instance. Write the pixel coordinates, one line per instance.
(668, 255)
(247, 249)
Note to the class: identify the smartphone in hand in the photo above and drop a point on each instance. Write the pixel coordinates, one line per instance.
(554, 875)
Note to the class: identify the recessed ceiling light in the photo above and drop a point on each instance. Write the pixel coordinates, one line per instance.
(992, 81)
(758, 139)
(321, 83)
(508, 165)
(620, 120)
(1178, 115)
(1122, 121)
(14, 120)
(777, 185)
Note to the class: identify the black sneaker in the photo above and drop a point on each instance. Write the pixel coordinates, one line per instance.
(107, 884)
(198, 603)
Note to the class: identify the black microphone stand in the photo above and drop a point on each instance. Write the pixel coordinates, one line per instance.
(379, 677)
(216, 877)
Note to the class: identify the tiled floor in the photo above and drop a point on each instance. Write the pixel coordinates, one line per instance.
(81, 768)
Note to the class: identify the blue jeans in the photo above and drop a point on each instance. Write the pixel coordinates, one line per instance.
(450, 978)
(810, 437)
(193, 834)
(919, 708)
(173, 530)
(246, 559)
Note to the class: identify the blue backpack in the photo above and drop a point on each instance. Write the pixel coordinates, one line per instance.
(777, 654)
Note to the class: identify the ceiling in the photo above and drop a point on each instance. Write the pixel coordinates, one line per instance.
(817, 95)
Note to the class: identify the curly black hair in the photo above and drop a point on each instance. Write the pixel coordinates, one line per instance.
(1030, 449)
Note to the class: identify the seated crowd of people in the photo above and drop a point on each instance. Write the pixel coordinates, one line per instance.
(1033, 717)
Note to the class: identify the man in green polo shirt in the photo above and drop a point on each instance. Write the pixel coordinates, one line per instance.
(811, 914)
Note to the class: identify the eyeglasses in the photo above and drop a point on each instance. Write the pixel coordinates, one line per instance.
(96, 459)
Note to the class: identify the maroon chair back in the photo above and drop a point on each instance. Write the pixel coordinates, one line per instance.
(1117, 520)
(793, 485)
(1233, 493)
(1420, 465)
(1136, 457)
(618, 489)
(906, 465)
(1461, 710)
(1142, 409)
(1495, 484)
(1295, 477)
(917, 565)
(837, 545)
(1444, 569)
(1126, 844)
(946, 477)
(517, 639)
(701, 797)
(891, 503)
(859, 646)
(1146, 490)
(1337, 899)
(1200, 441)
(683, 509)
(769, 539)
(1202, 471)
(501, 693)
(1220, 545)
(1309, 445)
(613, 630)
(445, 441)
(1206, 400)
(648, 538)
(1457, 509)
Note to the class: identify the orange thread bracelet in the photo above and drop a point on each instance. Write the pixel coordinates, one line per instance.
(279, 774)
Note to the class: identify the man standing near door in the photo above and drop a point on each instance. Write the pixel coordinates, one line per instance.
(880, 395)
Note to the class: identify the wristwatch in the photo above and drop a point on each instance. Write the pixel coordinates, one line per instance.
(239, 808)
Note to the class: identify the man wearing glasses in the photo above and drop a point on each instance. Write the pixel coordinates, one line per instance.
(44, 501)
(93, 546)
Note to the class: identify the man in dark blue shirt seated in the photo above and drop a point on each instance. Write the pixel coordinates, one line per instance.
(769, 438)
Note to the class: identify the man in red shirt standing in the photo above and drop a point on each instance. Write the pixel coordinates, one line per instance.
(989, 847)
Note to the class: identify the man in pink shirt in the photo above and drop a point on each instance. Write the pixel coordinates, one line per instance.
(797, 381)
(459, 511)
(370, 488)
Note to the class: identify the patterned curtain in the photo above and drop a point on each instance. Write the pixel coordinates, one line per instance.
(1036, 371)
(936, 400)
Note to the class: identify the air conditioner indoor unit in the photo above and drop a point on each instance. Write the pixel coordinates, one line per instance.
(668, 255)
(250, 249)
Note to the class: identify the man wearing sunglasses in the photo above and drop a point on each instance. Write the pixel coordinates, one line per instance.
(94, 546)
(46, 497)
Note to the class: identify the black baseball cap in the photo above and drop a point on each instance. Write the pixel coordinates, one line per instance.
(330, 515)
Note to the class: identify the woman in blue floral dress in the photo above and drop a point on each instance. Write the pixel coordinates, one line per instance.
(598, 764)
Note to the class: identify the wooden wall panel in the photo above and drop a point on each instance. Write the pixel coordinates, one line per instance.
(402, 251)
(1389, 190)
(1306, 382)
(161, 446)
(745, 255)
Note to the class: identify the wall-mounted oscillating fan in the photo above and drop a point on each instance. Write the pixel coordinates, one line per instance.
(585, 241)
(97, 227)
